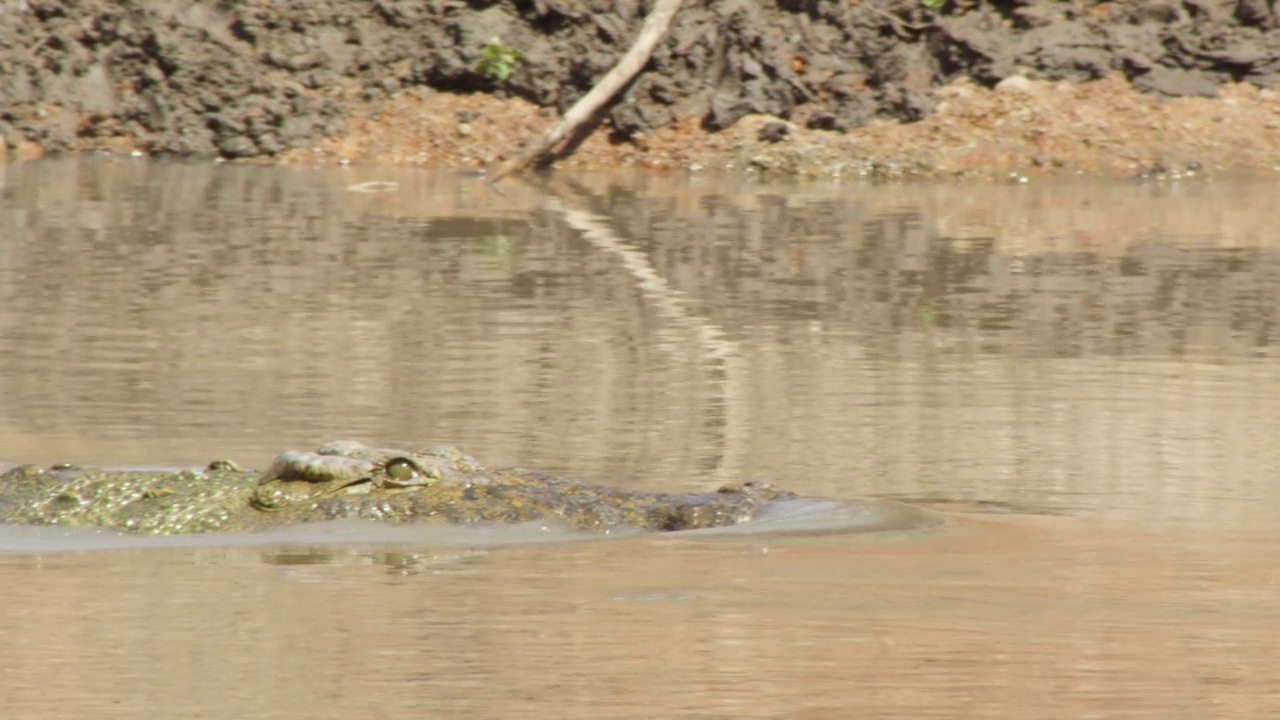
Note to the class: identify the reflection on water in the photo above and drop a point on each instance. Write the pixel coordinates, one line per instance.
(1095, 363)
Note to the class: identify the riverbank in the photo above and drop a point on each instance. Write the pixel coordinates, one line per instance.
(885, 88)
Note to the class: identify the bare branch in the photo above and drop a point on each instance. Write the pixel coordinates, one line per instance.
(655, 26)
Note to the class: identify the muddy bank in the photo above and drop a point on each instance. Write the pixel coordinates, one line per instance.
(349, 80)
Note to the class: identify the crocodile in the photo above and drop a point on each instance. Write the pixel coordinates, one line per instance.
(347, 479)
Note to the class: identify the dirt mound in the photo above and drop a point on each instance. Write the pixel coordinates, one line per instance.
(250, 78)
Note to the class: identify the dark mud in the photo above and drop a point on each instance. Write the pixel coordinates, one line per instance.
(249, 78)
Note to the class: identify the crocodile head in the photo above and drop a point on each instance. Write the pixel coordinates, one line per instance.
(347, 468)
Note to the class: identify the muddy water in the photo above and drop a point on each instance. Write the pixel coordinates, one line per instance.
(1082, 378)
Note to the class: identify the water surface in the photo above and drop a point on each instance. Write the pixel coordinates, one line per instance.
(1081, 377)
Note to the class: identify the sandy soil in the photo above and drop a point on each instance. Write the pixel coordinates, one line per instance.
(1020, 128)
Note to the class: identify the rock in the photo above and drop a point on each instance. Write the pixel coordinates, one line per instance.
(1016, 85)
(1172, 82)
(237, 146)
(775, 131)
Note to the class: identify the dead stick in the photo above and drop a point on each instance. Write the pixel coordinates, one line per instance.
(655, 26)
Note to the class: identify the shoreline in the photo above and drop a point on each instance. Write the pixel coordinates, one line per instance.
(1019, 129)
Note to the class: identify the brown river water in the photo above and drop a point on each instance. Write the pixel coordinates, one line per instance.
(1081, 379)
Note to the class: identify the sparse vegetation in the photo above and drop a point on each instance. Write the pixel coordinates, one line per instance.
(498, 62)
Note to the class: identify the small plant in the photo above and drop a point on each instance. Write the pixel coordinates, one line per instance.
(498, 62)
(934, 5)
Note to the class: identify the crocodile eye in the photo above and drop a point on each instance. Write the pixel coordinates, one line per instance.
(401, 469)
